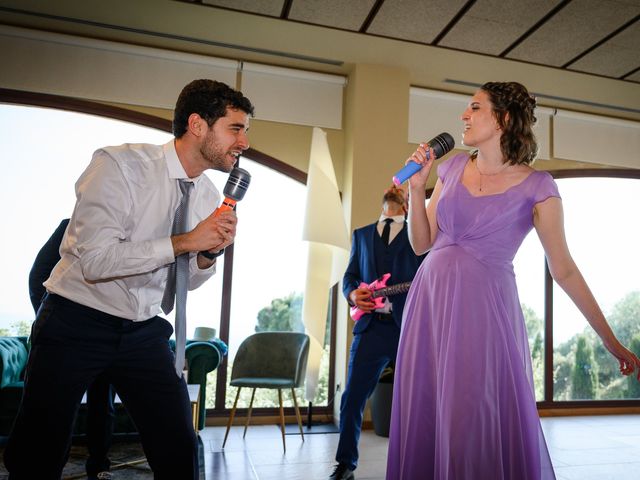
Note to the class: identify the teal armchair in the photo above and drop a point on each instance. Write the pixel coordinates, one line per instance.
(13, 359)
(202, 357)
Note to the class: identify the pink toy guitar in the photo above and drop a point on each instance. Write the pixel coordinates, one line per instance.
(379, 291)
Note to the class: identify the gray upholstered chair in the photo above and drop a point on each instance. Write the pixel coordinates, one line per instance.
(276, 360)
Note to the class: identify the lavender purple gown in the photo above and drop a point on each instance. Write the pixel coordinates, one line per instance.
(463, 403)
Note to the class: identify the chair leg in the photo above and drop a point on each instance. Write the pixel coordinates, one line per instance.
(246, 424)
(233, 414)
(284, 445)
(298, 417)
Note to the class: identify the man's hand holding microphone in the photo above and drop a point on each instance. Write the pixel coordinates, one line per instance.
(216, 232)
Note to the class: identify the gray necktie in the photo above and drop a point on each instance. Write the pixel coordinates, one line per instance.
(178, 278)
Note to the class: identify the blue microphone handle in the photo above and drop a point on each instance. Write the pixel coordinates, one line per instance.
(405, 172)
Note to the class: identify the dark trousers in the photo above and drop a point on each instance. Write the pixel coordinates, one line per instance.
(371, 351)
(72, 345)
(100, 420)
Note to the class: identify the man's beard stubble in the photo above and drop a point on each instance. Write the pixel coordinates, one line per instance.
(215, 157)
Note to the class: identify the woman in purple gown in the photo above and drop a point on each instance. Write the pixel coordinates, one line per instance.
(464, 404)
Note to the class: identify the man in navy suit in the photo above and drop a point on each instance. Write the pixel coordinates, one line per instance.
(380, 248)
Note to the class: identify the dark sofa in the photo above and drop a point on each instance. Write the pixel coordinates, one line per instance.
(202, 358)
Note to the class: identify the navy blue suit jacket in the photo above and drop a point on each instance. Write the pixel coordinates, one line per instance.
(46, 259)
(362, 268)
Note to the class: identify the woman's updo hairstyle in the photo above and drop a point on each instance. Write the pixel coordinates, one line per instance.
(514, 108)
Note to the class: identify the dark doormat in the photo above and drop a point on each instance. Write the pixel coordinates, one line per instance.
(293, 429)
(120, 453)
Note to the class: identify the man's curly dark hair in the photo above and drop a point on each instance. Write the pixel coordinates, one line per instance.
(209, 99)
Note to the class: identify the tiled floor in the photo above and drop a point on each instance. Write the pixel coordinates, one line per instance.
(594, 448)
(584, 448)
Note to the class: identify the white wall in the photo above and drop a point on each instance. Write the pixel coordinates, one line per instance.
(561, 134)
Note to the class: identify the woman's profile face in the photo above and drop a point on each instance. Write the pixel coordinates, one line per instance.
(479, 121)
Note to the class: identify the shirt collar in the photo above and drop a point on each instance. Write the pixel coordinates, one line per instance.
(175, 168)
(395, 218)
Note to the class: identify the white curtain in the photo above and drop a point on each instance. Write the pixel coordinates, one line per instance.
(326, 232)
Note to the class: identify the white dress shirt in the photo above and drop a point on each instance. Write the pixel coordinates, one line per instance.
(394, 228)
(117, 247)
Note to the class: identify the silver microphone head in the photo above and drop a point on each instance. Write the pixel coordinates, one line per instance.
(237, 184)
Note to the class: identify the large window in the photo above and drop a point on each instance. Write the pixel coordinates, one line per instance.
(43, 153)
(44, 150)
(529, 268)
(269, 273)
(603, 235)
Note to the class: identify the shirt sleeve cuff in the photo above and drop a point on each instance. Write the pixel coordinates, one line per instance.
(193, 266)
(199, 275)
(163, 249)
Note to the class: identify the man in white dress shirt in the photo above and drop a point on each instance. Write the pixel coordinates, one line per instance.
(100, 314)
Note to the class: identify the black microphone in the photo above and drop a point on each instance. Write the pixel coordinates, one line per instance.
(441, 144)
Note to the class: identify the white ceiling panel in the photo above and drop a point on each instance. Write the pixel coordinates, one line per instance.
(264, 7)
(490, 26)
(615, 57)
(414, 20)
(573, 30)
(334, 13)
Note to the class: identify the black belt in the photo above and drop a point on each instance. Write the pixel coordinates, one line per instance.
(384, 317)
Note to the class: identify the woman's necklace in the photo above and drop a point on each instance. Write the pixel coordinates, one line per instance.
(502, 169)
